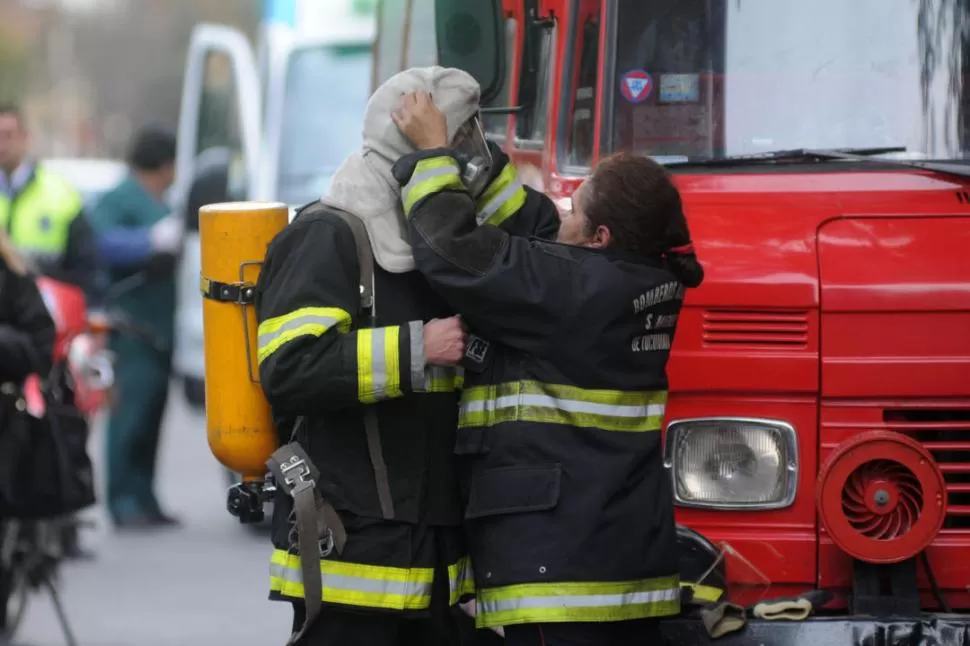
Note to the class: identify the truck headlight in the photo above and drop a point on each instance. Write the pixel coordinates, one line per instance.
(729, 463)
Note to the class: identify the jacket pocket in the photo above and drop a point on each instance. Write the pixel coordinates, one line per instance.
(513, 490)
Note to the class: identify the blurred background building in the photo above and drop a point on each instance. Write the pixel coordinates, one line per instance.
(89, 71)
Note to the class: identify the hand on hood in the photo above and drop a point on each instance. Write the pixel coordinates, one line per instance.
(364, 186)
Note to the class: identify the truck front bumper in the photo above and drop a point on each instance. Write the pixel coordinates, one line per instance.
(928, 630)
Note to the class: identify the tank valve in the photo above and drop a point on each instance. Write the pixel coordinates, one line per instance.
(245, 500)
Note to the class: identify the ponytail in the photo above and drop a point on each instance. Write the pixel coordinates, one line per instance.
(682, 263)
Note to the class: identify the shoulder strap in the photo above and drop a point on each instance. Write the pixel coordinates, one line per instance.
(365, 259)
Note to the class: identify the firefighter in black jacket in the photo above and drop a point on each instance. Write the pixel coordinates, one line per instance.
(403, 568)
(569, 511)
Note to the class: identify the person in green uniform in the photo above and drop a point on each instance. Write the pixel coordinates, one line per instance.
(139, 238)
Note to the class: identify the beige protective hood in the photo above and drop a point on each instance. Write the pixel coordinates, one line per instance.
(364, 186)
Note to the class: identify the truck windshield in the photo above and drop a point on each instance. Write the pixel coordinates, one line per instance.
(323, 114)
(709, 78)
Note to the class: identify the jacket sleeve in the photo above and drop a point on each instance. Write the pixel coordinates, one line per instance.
(82, 259)
(312, 356)
(511, 289)
(28, 337)
(121, 245)
(508, 204)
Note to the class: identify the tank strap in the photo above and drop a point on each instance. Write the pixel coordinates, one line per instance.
(240, 293)
(319, 528)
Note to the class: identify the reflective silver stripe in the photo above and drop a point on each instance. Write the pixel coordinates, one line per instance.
(568, 405)
(355, 583)
(496, 202)
(450, 168)
(578, 601)
(416, 332)
(307, 319)
(465, 575)
(439, 378)
(377, 362)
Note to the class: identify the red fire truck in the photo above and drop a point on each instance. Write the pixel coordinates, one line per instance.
(818, 432)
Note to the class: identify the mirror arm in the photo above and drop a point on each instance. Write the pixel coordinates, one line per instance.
(512, 109)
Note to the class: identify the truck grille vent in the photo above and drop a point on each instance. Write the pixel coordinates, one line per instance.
(945, 432)
(963, 197)
(756, 328)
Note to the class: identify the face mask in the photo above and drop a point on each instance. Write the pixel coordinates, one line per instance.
(472, 151)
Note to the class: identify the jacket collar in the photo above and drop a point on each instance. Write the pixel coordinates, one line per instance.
(17, 182)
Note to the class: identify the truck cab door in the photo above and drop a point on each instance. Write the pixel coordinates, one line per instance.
(219, 124)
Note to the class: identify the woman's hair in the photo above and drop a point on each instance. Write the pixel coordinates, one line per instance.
(635, 198)
(11, 257)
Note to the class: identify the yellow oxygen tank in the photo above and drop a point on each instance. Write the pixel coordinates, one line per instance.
(234, 237)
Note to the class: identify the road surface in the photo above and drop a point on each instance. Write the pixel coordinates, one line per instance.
(205, 583)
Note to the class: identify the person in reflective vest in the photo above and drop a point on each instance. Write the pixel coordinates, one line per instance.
(376, 388)
(43, 214)
(568, 508)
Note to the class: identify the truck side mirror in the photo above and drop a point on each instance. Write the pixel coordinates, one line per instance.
(469, 35)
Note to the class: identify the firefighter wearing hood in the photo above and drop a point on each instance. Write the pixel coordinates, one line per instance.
(326, 363)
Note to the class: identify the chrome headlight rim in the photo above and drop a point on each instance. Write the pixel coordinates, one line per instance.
(789, 437)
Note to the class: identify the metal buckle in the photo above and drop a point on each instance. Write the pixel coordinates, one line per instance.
(326, 544)
(301, 477)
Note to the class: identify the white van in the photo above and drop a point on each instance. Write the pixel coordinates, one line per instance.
(275, 129)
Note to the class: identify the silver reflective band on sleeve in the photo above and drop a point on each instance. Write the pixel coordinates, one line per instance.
(418, 359)
(503, 197)
(276, 332)
(378, 363)
(354, 584)
(431, 175)
(501, 200)
(440, 379)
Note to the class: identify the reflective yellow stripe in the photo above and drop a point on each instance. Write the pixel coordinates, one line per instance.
(430, 176)
(440, 379)
(703, 592)
(503, 197)
(534, 401)
(378, 363)
(276, 332)
(578, 602)
(353, 584)
(461, 580)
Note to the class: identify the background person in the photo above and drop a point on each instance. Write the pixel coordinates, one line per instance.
(42, 213)
(27, 335)
(139, 238)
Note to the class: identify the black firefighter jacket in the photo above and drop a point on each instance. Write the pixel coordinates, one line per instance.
(27, 331)
(320, 358)
(569, 511)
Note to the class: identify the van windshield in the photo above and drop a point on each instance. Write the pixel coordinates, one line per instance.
(711, 78)
(327, 89)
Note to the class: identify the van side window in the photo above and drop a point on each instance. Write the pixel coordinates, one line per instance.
(535, 87)
(390, 36)
(579, 145)
(496, 125)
